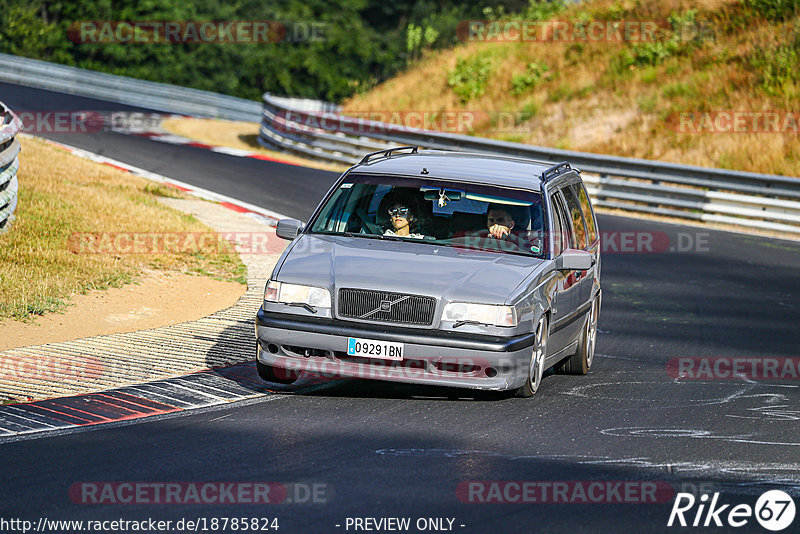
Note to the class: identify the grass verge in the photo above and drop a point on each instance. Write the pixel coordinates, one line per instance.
(62, 195)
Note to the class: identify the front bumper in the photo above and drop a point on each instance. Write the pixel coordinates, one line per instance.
(319, 346)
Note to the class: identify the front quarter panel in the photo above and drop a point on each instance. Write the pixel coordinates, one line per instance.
(535, 296)
(283, 257)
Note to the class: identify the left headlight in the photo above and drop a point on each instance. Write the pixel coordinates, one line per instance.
(318, 297)
(481, 313)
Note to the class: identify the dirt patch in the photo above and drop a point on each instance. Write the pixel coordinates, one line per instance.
(158, 299)
(600, 127)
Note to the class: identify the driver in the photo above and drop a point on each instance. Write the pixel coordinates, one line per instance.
(499, 221)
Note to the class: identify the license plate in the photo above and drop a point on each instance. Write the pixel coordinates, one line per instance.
(370, 348)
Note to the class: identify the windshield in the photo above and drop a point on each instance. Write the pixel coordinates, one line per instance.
(455, 214)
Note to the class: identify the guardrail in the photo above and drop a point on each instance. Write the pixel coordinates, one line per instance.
(150, 95)
(689, 192)
(318, 129)
(10, 126)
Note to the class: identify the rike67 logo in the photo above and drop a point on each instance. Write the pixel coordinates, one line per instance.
(774, 510)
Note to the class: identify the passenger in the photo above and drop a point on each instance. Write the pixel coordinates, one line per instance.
(404, 220)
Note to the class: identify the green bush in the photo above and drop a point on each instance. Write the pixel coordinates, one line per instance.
(649, 53)
(778, 66)
(469, 77)
(774, 9)
(534, 73)
(419, 39)
(543, 9)
(685, 33)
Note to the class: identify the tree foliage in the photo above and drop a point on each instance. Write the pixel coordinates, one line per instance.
(361, 42)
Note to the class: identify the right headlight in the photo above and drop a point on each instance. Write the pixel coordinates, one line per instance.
(481, 313)
(319, 297)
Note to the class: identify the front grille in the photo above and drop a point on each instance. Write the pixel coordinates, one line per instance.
(404, 309)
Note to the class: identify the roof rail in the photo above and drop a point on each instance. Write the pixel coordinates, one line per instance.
(555, 170)
(388, 152)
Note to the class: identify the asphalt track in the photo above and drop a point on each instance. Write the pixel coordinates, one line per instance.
(387, 450)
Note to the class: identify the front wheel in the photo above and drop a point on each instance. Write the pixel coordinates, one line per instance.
(580, 362)
(536, 367)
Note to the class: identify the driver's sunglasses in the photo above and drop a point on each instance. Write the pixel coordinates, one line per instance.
(398, 212)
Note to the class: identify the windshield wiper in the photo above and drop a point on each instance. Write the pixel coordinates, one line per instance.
(305, 305)
(462, 323)
(487, 249)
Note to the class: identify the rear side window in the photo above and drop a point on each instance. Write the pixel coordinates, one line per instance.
(588, 216)
(576, 217)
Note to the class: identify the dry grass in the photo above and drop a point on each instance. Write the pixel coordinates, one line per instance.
(591, 100)
(234, 134)
(61, 195)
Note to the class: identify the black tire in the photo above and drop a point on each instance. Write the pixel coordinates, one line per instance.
(275, 374)
(580, 362)
(538, 354)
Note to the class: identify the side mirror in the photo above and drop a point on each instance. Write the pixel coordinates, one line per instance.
(289, 228)
(574, 260)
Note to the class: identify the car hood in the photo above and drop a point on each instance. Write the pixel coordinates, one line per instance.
(405, 267)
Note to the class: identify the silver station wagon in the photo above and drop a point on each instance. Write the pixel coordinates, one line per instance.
(440, 268)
